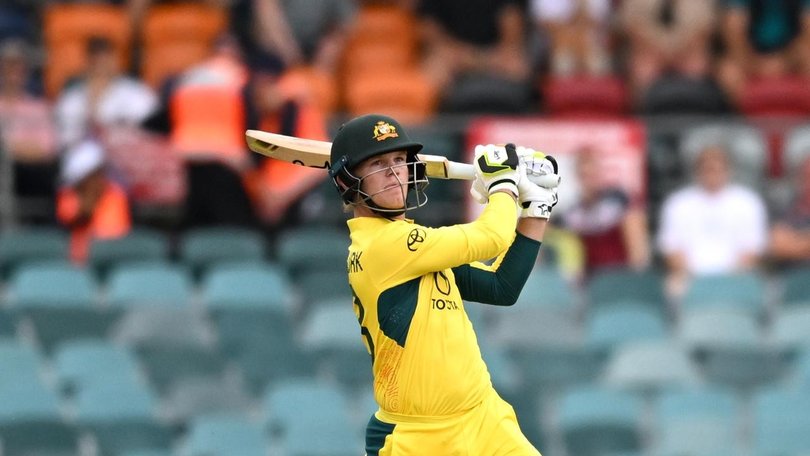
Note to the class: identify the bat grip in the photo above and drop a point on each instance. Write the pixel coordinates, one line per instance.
(465, 171)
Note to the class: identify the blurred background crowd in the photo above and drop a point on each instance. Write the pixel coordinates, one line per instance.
(165, 291)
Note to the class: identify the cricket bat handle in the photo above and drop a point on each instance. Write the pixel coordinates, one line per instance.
(456, 170)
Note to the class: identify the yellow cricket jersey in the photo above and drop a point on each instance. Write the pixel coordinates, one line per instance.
(425, 356)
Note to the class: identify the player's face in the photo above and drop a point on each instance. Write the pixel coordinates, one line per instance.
(385, 178)
(713, 169)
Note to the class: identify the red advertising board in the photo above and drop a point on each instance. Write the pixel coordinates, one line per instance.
(621, 143)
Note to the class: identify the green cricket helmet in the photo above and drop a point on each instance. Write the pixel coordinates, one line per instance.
(367, 136)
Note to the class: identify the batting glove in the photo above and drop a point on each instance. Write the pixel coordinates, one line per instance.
(498, 168)
(536, 163)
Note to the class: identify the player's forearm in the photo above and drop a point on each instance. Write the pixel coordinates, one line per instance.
(502, 286)
(532, 228)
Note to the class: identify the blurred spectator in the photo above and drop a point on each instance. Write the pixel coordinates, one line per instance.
(711, 226)
(18, 19)
(204, 110)
(612, 227)
(667, 36)
(275, 186)
(303, 32)
(89, 203)
(26, 124)
(790, 233)
(578, 30)
(763, 38)
(103, 96)
(475, 51)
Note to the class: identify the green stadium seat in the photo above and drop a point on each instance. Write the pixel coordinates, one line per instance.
(195, 396)
(548, 288)
(331, 336)
(789, 329)
(61, 301)
(80, 362)
(796, 287)
(697, 422)
(21, 363)
(594, 421)
(148, 285)
(171, 343)
(225, 434)
(612, 286)
(650, 366)
(742, 291)
(730, 347)
(299, 409)
(122, 417)
(31, 244)
(319, 285)
(611, 326)
(140, 244)
(545, 343)
(312, 248)
(252, 307)
(31, 422)
(201, 248)
(781, 421)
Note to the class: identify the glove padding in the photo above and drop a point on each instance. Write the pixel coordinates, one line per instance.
(536, 201)
(537, 163)
(497, 168)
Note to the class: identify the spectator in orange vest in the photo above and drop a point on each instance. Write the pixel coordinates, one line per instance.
(89, 203)
(276, 186)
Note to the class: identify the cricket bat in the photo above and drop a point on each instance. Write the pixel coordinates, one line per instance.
(315, 154)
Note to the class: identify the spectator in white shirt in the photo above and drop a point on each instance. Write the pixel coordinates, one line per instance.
(712, 226)
(104, 96)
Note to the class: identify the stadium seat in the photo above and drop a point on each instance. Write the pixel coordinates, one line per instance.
(585, 97)
(407, 95)
(619, 285)
(697, 422)
(739, 291)
(548, 288)
(140, 244)
(680, 95)
(176, 36)
(60, 299)
(745, 143)
(789, 329)
(224, 434)
(313, 248)
(121, 416)
(30, 420)
(31, 244)
(649, 367)
(781, 421)
(293, 409)
(796, 146)
(193, 397)
(172, 343)
(796, 287)
(22, 363)
(201, 248)
(730, 346)
(83, 361)
(610, 327)
(317, 285)
(594, 421)
(148, 285)
(148, 452)
(331, 335)
(777, 96)
(251, 304)
(67, 28)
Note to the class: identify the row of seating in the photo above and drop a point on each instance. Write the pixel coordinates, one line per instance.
(98, 389)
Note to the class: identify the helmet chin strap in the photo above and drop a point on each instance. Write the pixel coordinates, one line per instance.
(382, 211)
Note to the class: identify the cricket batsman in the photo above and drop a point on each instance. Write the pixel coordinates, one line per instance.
(433, 389)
